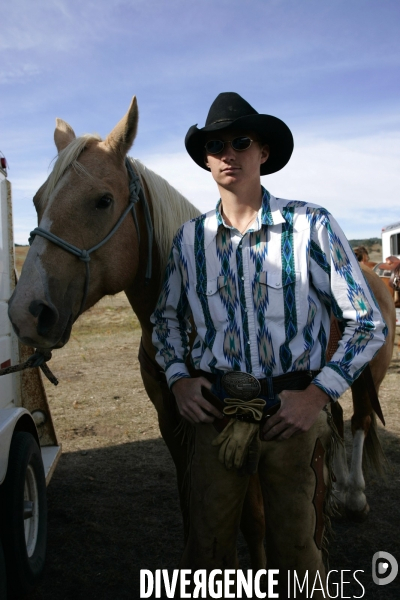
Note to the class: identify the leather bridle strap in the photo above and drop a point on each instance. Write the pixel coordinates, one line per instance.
(136, 194)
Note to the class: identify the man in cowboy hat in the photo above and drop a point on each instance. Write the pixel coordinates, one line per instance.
(260, 277)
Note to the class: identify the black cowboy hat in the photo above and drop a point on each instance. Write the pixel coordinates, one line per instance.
(231, 111)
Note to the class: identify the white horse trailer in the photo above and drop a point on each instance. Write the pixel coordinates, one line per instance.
(391, 240)
(29, 450)
(391, 247)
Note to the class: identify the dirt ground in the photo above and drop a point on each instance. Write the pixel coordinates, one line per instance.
(112, 502)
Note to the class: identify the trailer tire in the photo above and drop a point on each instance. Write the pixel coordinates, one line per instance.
(24, 538)
(3, 580)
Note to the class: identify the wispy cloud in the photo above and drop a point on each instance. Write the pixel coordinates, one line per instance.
(23, 73)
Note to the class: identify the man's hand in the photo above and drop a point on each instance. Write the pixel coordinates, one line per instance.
(298, 411)
(190, 400)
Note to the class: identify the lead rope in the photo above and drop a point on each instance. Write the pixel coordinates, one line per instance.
(136, 193)
(38, 359)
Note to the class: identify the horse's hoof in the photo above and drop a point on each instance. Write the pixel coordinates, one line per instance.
(359, 516)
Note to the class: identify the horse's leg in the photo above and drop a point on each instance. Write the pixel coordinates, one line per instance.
(363, 423)
(339, 467)
(364, 429)
(356, 502)
(349, 487)
(357, 507)
(173, 436)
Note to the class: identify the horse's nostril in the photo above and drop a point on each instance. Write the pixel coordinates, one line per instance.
(36, 307)
(47, 316)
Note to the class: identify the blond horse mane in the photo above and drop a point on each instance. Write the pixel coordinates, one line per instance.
(170, 208)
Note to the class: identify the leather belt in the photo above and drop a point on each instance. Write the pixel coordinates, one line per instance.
(269, 387)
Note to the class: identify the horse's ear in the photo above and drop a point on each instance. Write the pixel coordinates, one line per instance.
(63, 134)
(122, 136)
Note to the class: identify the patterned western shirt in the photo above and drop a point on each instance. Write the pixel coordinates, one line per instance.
(261, 302)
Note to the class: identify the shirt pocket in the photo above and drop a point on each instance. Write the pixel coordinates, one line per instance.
(277, 296)
(215, 296)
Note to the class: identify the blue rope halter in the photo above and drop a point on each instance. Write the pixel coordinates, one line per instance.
(136, 194)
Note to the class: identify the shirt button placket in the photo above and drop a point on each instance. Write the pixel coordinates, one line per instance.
(247, 275)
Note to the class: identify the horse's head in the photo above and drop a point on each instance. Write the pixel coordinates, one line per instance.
(80, 202)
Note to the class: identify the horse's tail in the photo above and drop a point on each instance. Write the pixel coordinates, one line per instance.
(374, 458)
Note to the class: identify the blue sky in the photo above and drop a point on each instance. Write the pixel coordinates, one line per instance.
(328, 68)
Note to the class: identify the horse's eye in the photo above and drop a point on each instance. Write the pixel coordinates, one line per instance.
(104, 202)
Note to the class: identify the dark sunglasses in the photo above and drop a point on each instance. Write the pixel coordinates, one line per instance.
(239, 144)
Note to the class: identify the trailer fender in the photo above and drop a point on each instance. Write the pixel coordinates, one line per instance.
(12, 419)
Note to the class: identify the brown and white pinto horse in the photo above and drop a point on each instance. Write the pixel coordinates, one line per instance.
(80, 203)
(349, 486)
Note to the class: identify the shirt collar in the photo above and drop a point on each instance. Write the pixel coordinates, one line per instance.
(269, 213)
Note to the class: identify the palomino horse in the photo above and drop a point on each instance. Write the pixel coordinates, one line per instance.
(84, 199)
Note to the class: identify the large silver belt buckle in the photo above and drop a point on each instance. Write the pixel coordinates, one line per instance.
(241, 385)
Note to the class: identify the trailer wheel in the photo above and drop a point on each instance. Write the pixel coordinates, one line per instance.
(3, 581)
(23, 526)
